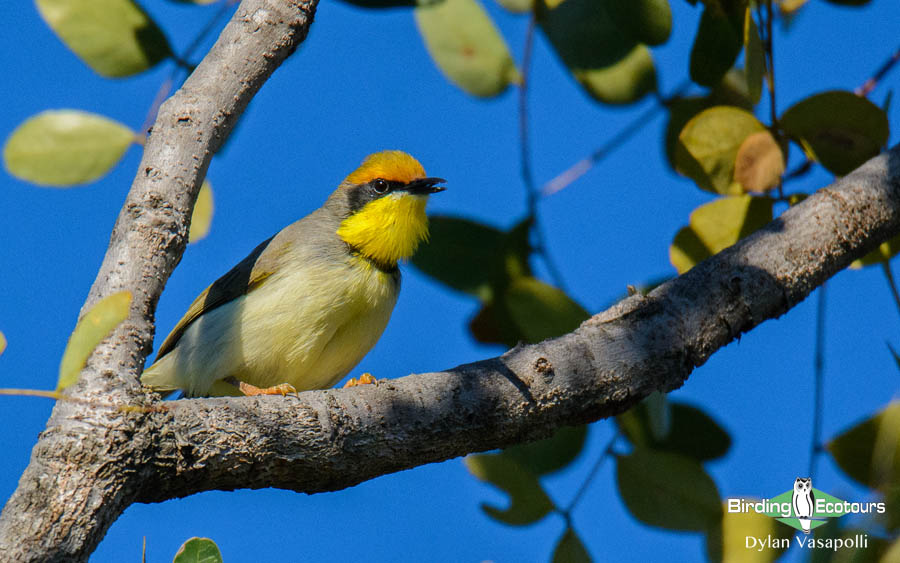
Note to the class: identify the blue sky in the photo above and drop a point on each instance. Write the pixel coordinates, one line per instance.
(363, 82)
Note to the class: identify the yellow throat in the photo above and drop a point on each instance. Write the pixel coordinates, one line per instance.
(389, 228)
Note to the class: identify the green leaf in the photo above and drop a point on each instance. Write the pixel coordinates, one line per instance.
(460, 253)
(759, 163)
(466, 46)
(528, 501)
(89, 332)
(198, 550)
(659, 415)
(717, 225)
(692, 432)
(717, 44)
(2, 343)
(880, 255)
(570, 549)
(668, 490)
(540, 311)
(870, 451)
(646, 21)
(754, 58)
(611, 66)
(65, 147)
(838, 129)
(728, 542)
(517, 6)
(201, 219)
(113, 37)
(708, 145)
(550, 454)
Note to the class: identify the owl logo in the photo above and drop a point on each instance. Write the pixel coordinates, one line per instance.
(803, 501)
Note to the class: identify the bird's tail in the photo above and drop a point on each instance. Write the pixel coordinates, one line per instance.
(160, 377)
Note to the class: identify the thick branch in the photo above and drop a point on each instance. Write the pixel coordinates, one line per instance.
(75, 484)
(327, 440)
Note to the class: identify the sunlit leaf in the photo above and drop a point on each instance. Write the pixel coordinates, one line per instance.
(870, 451)
(2, 343)
(708, 146)
(528, 501)
(728, 542)
(65, 147)
(570, 549)
(646, 21)
(201, 219)
(113, 37)
(668, 490)
(198, 550)
(541, 311)
(838, 129)
(759, 163)
(788, 8)
(716, 45)
(517, 6)
(611, 66)
(692, 432)
(717, 225)
(883, 253)
(89, 332)
(550, 454)
(466, 46)
(754, 58)
(460, 253)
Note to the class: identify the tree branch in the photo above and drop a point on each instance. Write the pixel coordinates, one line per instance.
(328, 440)
(85, 468)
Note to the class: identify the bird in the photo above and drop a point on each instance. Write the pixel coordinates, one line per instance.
(304, 307)
(804, 502)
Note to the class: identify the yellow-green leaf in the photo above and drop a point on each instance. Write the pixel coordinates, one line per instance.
(201, 219)
(759, 163)
(668, 490)
(198, 550)
(2, 343)
(89, 332)
(467, 47)
(728, 542)
(113, 37)
(716, 45)
(883, 253)
(870, 451)
(708, 145)
(65, 147)
(528, 501)
(754, 59)
(517, 6)
(717, 225)
(570, 549)
(838, 129)
(541, 311)
(611, 66)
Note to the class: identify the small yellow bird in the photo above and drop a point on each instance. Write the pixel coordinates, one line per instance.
(306, 305)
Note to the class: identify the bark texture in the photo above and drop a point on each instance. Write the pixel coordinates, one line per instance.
(91, 463)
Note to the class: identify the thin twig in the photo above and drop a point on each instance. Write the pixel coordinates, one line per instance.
(525, 157)
(607, 451)
(580, 168)
(872, 82)
(818, 382)
(886, 267)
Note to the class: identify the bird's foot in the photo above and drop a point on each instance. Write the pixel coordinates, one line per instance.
(364, 379)
(253, 390)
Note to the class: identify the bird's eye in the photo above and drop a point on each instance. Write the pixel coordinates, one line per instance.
(380, 186)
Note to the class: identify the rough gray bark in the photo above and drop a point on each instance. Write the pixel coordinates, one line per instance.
(91, 463)
(88, 463)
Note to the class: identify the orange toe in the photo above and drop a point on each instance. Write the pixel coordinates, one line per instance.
(364, 379)
(253, 390)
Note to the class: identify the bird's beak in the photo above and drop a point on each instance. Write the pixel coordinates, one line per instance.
(425, 186)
